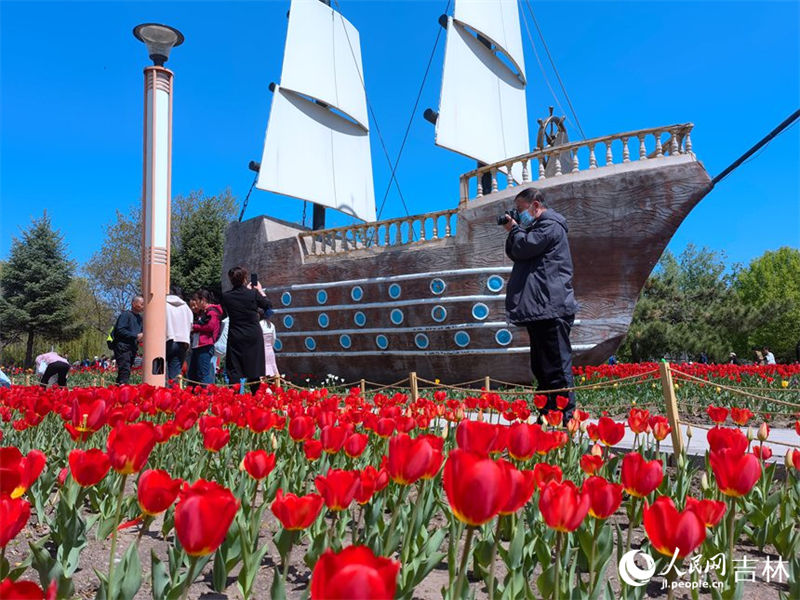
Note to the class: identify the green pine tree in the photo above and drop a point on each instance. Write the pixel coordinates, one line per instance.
(36, 295)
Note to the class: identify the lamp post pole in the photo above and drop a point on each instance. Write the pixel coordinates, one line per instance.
(156, 194)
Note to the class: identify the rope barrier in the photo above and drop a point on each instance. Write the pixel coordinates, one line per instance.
(694, 379)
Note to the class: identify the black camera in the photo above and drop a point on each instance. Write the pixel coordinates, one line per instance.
(509, 214)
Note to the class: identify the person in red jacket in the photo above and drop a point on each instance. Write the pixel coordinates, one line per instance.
(205, 331)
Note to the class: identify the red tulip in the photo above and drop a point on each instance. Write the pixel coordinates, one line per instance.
(355, 572)
(591, 463)
(88, 467)
(355, 444)
(14, 514)
(723, 437)
(157, 491)
(736, 473)
(660, 426)
(301, 428)
(258, 464)
(26, 590)
(476, 487)
(385, 427)
(216, 438)
(540, 401)
(544, 473)
(409, 458)
(604, 497)
(296, 513)
(312, 449)
(476, 436)
(259, 420)
(562, 506)
(609, 431)
(670, 530)
(717, 414)
(709, 511)
(338, 488)
(639, 477)
(332, 437)
(17, 472)
(762, 452)
(87, 415)
(523, 440)
(203, 515)
(129, 446)
(638, 420)
(741, 416)
(521, 486)
(366, 484)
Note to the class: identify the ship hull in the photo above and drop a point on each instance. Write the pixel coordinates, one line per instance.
(436, 307)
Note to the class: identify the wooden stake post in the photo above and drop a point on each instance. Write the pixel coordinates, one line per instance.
(364, 389)
(671, 403)
(414, 390)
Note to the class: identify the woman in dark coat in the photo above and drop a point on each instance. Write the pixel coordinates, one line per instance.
(244, 358)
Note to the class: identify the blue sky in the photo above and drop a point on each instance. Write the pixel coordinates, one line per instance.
(71, 103)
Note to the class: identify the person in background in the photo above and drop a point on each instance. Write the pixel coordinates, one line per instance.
(268, 331)
(244, 358)
(758, 357)
(127, 337)
(539, 294)
(4, 380)
(205, 331)
(179, 330)
(52, 368)
(220, 348)
(732, 359)
(769, 357)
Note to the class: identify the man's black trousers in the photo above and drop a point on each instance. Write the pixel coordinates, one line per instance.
(59, 369)
(551, 359)
(124, 354)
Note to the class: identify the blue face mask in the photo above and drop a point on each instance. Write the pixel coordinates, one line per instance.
(525, 218)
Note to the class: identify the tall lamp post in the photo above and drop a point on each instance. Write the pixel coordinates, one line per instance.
(156, 194)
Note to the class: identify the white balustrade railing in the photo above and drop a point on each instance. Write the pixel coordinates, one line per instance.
(390, 232)
(566, 159)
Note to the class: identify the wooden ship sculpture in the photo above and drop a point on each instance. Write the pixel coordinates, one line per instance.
(426, 293)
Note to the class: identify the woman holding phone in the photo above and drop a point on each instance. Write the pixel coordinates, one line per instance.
(244, 357)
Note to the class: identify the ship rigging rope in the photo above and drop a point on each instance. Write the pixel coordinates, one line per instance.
(552, 64)
(411, 117)
(372, 112)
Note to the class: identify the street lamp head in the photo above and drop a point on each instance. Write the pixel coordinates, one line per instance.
(160, 39)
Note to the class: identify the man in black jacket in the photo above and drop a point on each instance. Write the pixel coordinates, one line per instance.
(127, 337)
(539, 294)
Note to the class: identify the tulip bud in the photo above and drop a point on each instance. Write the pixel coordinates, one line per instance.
(704, 482)
(584, 425)
(445, 430)
(273, 442)
(689, 431)
(544, 425)
(787, 460)
(763, 432)
(750, 435)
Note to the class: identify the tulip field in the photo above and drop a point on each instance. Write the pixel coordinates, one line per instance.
(167, 493)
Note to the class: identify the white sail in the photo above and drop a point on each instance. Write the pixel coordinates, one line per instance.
(482, 109)
(319, 151)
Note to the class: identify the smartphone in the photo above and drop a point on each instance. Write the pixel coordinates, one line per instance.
(254, 279)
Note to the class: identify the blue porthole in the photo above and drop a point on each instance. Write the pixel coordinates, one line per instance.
(480, 311)
(396, 316)
(395, 290)
(288, 321)
(495, 283)
(277, 345)
(286, 298)
(360, 319)
(382, 342)
(438, 313)
(438, 286)
(421, 340)
(323, 320)
(345, 341)
(503, 337)
(357, 293)
(322, 297)
(461, 338)
(311, 344)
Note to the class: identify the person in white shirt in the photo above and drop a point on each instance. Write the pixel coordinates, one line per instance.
(179, 329)
(769, 356)
(220, 348)
(268, 330)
